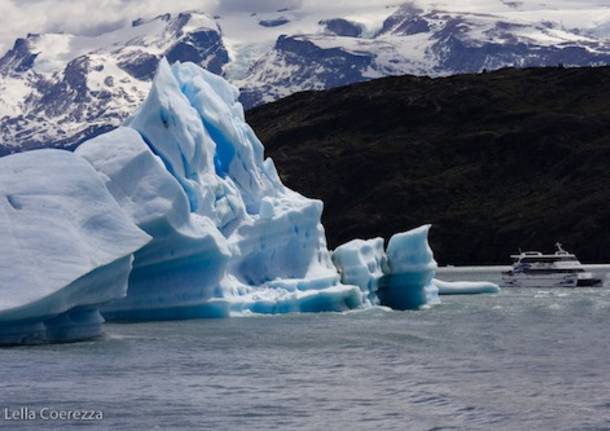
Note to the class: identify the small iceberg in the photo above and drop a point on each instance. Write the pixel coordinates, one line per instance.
(400, 278)
(410, 269)
(465, 287)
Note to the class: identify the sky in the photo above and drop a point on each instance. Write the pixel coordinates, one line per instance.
(20, 17)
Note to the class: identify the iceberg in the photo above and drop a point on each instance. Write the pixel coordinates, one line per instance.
(400, 278)
(183, 264)
(465, 287)
(66, 248)
(228, 237)
(361, 263)
(410, 269)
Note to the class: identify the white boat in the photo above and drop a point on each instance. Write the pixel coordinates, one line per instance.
(561, 269)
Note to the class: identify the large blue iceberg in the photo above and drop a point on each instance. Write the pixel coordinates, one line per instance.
(177, 215)
(228, 237)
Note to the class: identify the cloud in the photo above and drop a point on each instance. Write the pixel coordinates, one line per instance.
(258, 5)
(20, 17)
(90, 17)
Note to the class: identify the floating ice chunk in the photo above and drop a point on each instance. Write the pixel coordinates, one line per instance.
(400, 279)
(66, 247)
(409, 271)
(465, 287)
(361, 263)
(410, 252)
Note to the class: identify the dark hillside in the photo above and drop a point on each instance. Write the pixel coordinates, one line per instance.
(496, 161)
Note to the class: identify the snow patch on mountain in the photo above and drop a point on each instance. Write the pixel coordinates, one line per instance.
(59, 89)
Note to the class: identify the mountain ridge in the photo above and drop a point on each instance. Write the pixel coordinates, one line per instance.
(57, 90)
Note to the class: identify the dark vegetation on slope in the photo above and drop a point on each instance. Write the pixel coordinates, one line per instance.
(495, 161)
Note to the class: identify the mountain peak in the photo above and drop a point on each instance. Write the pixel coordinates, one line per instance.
(18, 59)
(91, 83)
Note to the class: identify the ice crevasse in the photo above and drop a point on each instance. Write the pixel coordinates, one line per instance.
(178, 215)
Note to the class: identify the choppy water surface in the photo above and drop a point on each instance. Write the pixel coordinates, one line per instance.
(522, 360)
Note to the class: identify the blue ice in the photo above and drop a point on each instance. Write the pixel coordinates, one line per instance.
(228, 237)
(400, 278)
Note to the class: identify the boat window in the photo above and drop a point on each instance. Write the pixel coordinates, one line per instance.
(550, 259)
(568, 258)
(551, 271)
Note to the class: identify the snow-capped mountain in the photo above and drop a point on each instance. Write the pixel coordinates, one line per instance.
(414, 41)
(58, 89)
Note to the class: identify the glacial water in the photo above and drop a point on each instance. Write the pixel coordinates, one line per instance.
(522, 360)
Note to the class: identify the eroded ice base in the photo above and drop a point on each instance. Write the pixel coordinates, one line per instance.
(76, 324)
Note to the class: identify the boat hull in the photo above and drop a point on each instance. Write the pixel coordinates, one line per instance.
(590, 282)
(541, 281)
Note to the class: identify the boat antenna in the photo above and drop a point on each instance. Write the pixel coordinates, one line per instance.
(559, 247)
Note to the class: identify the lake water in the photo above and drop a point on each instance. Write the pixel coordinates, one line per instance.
(521, 360)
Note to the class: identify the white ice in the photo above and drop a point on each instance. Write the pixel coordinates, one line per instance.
(361, 263)
(66, 247)
(465, 287)
(400, 277)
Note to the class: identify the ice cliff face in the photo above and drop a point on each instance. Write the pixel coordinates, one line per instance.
(59, 90)
(227, 235)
